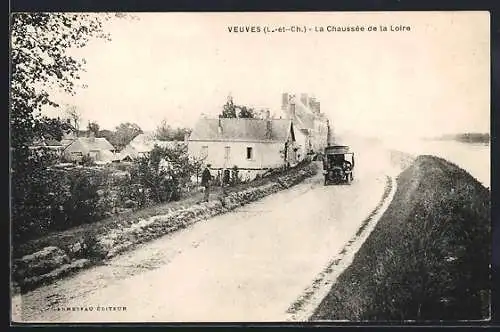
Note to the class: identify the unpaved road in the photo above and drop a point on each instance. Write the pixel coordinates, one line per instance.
(247, 265)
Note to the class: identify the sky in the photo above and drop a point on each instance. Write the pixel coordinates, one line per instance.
(431, 80)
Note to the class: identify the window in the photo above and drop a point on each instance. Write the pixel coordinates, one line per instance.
(249, 153)
(227, 152)
(204, 151)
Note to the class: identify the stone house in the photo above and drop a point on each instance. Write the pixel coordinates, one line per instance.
(252, 145)
(97, 148)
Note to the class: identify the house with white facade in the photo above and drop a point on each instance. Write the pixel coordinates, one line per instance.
(252, 145)
(97, 148)
(144, 143)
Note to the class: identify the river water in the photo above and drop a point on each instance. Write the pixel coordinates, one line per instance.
(472, 157)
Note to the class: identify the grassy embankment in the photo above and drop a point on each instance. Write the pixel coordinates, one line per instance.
(428, 257)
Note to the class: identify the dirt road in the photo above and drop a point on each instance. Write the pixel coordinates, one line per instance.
(248, 265)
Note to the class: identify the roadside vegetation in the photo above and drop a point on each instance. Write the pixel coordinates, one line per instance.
(428, 257)
(60, 253)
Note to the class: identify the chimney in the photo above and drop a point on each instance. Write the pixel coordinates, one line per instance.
(328, 133)
(284, 101)
(312, 102)
(269, 128)
(292, 111)
(304, 98)
(219, 127)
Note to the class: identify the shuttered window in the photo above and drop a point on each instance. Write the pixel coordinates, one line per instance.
(249, 152)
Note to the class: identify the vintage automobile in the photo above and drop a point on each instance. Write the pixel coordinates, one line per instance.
(338, 164)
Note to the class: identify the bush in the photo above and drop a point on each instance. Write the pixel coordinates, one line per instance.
(84, 204)
(38, 195)
(159, 177)
(87, 161)
(46, 198)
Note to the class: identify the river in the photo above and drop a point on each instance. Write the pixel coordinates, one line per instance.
(472, 157)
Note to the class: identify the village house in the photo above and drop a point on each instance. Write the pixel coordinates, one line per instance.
(97, 148)
(143, 144)
(252, 145)
(312, 125)
(48, 144)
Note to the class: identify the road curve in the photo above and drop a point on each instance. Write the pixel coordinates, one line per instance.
(247, 265)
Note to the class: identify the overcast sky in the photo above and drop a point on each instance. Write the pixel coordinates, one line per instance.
(434, 79)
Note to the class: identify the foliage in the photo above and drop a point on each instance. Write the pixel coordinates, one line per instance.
(246, 112)
(84, 204)
(93, 127)
(51, 128)
(124, 134)
(160, 176)
(74, 116)
(165, 132)
(39, 63)
(37, 196)
(87, 160)
(230, 110)
(56, 199)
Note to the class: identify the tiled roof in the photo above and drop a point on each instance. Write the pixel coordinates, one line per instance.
(144, 143)
(239, 129)
(96, 143)
(90, 143)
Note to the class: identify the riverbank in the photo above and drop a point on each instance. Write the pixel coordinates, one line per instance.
(67, 252)
(427, 258)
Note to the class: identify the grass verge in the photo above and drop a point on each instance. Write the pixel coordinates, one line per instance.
(428, 257)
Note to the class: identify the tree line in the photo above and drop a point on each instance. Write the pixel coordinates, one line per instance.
(122, 134)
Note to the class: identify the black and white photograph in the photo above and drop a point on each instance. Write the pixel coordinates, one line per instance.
(276, 167)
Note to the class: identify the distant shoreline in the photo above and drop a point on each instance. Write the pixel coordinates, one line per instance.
(483, 138)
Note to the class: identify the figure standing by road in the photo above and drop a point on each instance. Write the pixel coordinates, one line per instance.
(206, 178)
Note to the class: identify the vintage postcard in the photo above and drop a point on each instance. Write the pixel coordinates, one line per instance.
(250, 167)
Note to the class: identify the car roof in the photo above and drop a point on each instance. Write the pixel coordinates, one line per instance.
(337, 149)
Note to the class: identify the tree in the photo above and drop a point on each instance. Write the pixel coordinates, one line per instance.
(40, 63)
(246, 112)
(165, 132)
(164, 182)
(229, 109)
(93, 127)
(107, 134)
(74, 116)
(51, 128)
(124, 133)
